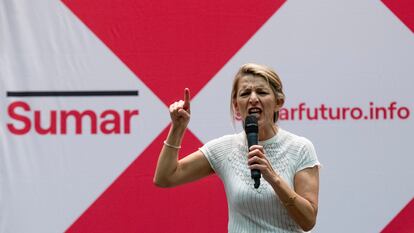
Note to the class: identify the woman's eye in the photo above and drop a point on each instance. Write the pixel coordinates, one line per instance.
(263, 93)
(244, 94)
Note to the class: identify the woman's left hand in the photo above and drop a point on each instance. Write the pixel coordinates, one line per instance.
(257, 160)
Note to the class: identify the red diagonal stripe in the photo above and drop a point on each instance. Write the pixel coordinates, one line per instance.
(174, 44)
(133, 204)
(403, 9)
(403, 222)
(169, 45)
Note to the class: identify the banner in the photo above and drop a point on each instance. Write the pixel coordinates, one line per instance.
(85, 88)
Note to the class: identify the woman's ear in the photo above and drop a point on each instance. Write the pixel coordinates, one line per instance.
(279, 104)
(235, 106)
(236, 111)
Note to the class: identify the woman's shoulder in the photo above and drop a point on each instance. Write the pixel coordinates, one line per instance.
(302, 151)
(228, 138)
(294, 139)
(217, 149)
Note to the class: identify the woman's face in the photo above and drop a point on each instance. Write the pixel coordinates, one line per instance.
(255, 97)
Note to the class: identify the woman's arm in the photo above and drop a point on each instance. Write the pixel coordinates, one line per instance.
(300, 202)
(170, 171)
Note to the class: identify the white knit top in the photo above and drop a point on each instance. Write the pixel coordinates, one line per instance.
(258, 210)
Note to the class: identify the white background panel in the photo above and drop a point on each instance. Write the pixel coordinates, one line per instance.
(341, 54)
(337, 53)
(48, 181)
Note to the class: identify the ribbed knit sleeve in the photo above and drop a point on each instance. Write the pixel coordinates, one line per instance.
(307, 155)
(217, 150)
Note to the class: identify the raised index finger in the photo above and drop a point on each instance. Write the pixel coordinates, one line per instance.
(186, 105)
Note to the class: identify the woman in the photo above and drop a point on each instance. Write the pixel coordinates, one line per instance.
(287, 201)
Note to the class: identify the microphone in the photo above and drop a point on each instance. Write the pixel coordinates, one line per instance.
(252, 132)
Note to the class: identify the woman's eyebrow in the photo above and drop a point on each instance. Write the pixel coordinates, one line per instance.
(263, 88)
(260, 87)
(245, 88)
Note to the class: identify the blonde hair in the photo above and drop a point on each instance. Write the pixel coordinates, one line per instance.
(260, 71)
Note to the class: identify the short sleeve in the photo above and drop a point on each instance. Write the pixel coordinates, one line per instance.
(206, 149)
(307, 157)
(216, 150)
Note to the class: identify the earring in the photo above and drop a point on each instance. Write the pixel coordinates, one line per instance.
(237, 116)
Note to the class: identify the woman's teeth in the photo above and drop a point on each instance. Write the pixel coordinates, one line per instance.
(255, 111)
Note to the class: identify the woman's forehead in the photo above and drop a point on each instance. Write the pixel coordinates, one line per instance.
(250, 81)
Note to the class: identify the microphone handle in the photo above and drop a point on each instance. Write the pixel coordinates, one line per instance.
(252, 139)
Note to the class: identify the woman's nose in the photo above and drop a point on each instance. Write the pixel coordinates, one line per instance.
(253, 98)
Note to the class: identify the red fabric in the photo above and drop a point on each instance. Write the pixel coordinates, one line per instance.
(133, 204)
(404, 10)
(403, 222)
(169, 45)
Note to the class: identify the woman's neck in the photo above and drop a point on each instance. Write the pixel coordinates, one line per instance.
(267, 132)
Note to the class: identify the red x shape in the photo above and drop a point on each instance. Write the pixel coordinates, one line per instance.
(169, 45)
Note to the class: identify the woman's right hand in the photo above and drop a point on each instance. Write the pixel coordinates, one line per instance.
(180, 111)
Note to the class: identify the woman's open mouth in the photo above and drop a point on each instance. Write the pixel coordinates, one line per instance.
(255, 112)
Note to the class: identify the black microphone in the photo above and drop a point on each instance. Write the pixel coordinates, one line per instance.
(252, 132)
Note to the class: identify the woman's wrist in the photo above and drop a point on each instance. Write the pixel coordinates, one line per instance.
(290, 201)
(177, 130)
(175, 136)
(171, 145)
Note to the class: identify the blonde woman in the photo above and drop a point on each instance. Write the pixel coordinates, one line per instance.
(287, 199)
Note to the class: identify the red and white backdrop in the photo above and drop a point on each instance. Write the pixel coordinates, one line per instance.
(85, 87)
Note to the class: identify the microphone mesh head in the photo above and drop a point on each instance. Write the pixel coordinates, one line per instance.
(250, 124)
